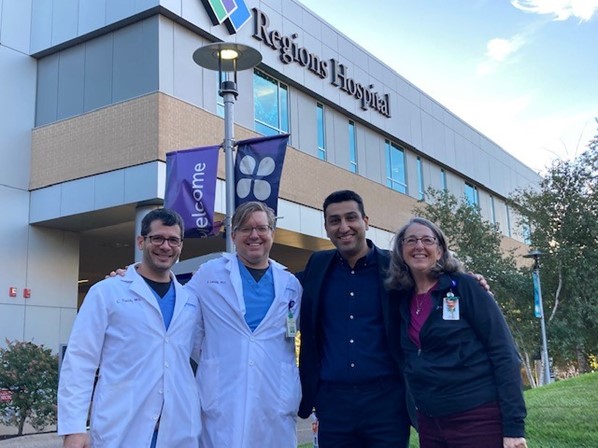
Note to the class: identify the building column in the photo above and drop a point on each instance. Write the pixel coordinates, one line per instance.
(140, 212)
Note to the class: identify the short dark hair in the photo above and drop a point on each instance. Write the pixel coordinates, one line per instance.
(343, 196)
(167, 216)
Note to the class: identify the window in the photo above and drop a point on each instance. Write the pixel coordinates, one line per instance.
(219, 100)
(443, 184)
(352, 148)
(508, 216)
(421, 193)
(526, 233)
(321, 132)
(395, 168)
(471, 194)
(492, 210)
(271, 105)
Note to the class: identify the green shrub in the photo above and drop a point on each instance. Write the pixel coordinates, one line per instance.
(30, 373)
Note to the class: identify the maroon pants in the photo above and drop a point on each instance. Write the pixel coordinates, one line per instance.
(478, 427)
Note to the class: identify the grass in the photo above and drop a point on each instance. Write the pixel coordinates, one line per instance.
(564, 414)
(561, 415)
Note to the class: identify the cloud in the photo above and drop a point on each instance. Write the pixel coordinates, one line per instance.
(498, 51)
(583, 10)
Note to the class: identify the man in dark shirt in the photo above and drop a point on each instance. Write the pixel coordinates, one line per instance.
(350, 353)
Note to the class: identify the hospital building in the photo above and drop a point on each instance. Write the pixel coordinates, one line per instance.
(95, 93)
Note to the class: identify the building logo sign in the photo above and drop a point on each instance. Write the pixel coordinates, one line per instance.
(291, 52)
(233, 13)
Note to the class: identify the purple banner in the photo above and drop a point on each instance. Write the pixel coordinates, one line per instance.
(191, 188)
(258, 168)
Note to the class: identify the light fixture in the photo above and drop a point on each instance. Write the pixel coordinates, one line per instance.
(228, 58)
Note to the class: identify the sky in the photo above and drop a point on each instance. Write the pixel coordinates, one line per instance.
(522, 72)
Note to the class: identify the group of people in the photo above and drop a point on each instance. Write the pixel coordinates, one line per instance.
(389, 339)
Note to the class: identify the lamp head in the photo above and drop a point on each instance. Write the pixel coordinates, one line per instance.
(534, 254)
(227, 57)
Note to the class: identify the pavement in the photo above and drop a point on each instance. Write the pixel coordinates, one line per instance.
(51, 440)
(32, 439)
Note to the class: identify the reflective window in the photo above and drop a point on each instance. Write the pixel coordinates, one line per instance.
(352, 148)
(395, 168)
(421, 193)
(471, 194)
(321, 132)
(271, 105)
(443, 184)
(219, 100)
(492, 210)
(508, 217)
(526, 233)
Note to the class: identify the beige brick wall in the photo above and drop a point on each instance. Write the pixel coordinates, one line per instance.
(146, 128)
(110, 138)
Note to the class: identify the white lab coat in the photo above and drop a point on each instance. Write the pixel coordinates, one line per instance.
(144, 369)
(248, 381)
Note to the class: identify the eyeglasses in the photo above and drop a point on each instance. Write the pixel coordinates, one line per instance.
(426, 241)
(261, 230)
(158, 240)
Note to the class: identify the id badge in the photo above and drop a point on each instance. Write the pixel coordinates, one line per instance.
(450, 307)
(291, 326)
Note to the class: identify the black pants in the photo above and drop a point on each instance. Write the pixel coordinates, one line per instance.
(370, 415)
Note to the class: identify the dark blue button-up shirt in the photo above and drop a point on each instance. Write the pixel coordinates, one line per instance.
(355, 348)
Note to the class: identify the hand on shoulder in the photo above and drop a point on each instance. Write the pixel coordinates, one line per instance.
(482, 281)
(120, 271)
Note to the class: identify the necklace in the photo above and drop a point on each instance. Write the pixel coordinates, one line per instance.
(419, 303)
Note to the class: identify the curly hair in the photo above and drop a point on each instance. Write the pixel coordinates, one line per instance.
(399, 276)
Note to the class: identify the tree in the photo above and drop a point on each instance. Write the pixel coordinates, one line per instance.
(476, 242)
(30, 373)
(563, 216)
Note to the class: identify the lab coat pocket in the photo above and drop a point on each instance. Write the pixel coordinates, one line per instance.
(112, 406)
(290, 389)
(208, 380)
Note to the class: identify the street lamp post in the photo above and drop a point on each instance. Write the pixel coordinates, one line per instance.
(536, 254)
(227, 59)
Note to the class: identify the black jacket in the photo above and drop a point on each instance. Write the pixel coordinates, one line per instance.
(464, 363)
(312, 279)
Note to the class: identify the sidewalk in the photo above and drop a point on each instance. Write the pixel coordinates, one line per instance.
(51, 440)
(31, 440)
(47, 440)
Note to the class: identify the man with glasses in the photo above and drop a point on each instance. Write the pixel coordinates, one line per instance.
(139, 330)
(247, 375)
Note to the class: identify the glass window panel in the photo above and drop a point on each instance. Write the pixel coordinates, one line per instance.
(265, 99)
(284, 108)
(395, 168)
(321, 132)
(352, 148)
(271, 104)
(420, 179)
(471, 194)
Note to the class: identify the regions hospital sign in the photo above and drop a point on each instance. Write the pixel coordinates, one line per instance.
(234, 14)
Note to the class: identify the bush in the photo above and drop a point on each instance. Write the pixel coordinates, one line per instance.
(30, 373)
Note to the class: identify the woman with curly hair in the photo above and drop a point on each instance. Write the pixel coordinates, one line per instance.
(461, 363)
